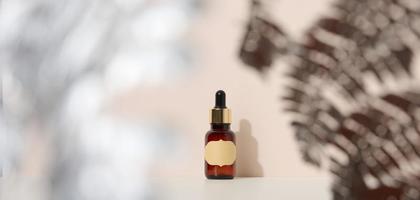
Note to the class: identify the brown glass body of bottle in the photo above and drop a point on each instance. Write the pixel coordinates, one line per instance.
(216, 133)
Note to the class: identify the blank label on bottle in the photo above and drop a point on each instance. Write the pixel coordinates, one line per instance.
(220, 153)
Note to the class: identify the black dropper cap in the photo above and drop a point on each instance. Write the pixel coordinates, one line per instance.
(220, 114)
(220, 99)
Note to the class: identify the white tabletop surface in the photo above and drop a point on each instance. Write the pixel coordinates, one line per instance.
(287, 188)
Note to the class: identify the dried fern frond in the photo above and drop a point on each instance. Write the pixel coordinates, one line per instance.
(372, 140)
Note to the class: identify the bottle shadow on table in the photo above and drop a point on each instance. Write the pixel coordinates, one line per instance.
(247, 164)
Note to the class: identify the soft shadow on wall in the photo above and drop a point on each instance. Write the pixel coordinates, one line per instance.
(247, 163)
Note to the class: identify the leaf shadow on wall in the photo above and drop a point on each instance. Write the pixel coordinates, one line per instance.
(247, 163)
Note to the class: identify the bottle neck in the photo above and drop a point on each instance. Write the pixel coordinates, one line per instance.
(220, 126)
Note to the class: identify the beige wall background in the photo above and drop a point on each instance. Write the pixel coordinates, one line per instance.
(100, 138)
(266, 142)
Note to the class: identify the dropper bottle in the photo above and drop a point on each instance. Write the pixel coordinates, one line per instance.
(220, 148)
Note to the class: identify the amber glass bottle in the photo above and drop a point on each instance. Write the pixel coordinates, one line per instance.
(220, 149)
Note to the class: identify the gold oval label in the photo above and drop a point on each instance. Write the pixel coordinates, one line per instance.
(220, 153)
